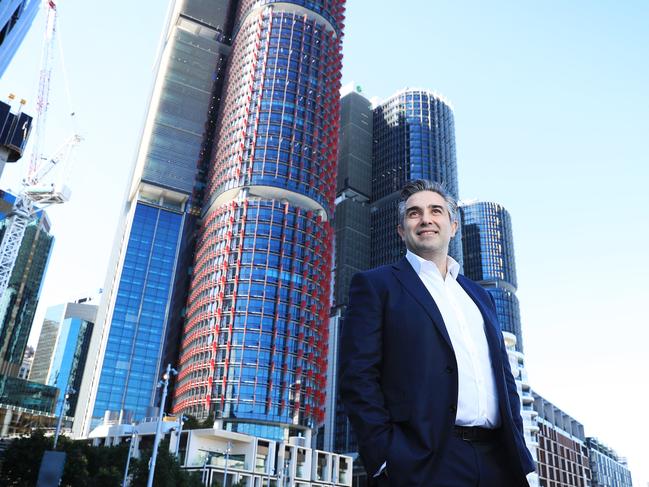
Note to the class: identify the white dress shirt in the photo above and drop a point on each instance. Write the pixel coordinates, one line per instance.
(477, 402)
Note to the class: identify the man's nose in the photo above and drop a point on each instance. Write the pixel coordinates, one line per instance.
(427, 218)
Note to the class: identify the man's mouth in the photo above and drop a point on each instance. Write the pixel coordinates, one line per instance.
(427, 232)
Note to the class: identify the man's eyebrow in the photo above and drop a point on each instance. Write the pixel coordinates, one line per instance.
(418, 208)
(435, 207)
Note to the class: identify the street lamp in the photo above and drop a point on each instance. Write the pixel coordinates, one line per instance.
(227, 459)
(64, 408)
(130, 452)
(181, 421)
(164, 383)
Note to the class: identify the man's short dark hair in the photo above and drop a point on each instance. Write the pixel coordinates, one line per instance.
(417, 185)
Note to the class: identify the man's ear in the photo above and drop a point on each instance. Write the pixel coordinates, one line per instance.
(454, 228)
(400, 231)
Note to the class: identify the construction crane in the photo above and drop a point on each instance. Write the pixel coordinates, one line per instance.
(36, 194)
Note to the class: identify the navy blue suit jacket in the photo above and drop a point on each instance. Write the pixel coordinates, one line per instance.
(398, 375)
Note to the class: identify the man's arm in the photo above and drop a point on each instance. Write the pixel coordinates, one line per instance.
(361, 356)
(512, 392)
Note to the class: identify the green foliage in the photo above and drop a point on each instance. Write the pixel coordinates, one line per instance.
(167, 470)
(192, 423)
(90, 466)
(22, 460)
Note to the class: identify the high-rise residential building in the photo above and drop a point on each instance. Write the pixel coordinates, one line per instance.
(562, 457)
(16, 16)
(142, 309)
(18, 303)
(414, 138)
(62, 349)
(528, 413)
(488, 247)
(255, 340)
(607, 468)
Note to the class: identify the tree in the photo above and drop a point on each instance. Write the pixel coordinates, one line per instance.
(22, 460)
(167, 470)
(85, 465)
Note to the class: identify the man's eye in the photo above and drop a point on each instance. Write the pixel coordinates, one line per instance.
(413, 213)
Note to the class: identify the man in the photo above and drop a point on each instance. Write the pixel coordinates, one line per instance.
(425, 377)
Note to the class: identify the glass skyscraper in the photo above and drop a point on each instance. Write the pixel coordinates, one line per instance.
(63, 349)
(142, 310)
(19, 301)
(414, 138)
(16, 17)
(488, 246)
(255, 340)
(352, 245)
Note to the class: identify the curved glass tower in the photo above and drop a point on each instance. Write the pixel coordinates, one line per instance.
(488, 247)
(255, 338)
(414, 138)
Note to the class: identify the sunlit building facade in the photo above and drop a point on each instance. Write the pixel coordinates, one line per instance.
(414, 138)
(255, 340)
(562, 457)
(141, 314)
(607, 468)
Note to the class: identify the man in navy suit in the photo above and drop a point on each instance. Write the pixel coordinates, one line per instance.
(424, 373)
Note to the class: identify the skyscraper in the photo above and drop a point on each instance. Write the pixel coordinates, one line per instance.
(63, 349)
(414, 138)
(146, 283)
(16, 16)
(18, 303)
(488, 246)
(352, 244)
(255, 340)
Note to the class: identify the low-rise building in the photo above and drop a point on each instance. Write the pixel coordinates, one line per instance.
(562, 455)
(608, 469)
(230, 458)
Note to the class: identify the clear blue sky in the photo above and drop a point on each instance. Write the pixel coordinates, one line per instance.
(552, 116)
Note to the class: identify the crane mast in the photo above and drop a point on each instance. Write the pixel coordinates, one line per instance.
(34, 191)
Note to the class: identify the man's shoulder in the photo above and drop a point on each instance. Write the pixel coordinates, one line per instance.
(382, 271)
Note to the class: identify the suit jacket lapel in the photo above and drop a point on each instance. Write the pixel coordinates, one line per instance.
(413, 284)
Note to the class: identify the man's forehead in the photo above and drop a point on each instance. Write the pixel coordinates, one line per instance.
(425, 198)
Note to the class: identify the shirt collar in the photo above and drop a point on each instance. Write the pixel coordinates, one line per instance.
(419, 264)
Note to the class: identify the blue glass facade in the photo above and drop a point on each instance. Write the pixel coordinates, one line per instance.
(130, 367)
(28, 395)
(68, 357)
(16, 17)
(20, 299)
(488, 246)
(414, 138)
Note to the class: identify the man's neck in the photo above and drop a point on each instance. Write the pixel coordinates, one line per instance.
(440, 260)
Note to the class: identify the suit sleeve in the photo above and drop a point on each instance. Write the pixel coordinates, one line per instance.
(361, 357)
(514, 398)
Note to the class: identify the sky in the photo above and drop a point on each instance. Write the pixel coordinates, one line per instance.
(551, 115)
